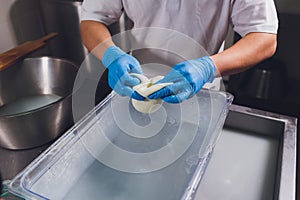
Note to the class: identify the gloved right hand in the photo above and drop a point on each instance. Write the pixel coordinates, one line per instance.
(119, 65)
(188, 78)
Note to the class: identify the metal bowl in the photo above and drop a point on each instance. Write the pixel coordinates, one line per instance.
(35, 101)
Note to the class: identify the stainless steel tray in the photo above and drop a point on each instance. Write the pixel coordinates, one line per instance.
(113, 152)
(255, 158)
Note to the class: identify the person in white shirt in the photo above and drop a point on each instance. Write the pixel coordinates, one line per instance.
(204, 21)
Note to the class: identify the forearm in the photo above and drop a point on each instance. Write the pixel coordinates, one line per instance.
(248, 51)
(96, 37)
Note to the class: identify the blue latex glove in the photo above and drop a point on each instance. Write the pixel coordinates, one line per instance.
(188, 78)
(119, 65)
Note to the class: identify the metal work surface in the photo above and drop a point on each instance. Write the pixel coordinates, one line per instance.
(255, 158)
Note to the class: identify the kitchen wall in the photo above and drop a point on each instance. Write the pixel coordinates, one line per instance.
(7, 36)
(19, 21)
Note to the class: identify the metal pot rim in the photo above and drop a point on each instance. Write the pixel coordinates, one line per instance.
(51, 58)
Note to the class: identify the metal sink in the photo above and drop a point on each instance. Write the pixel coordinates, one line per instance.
(255, 158)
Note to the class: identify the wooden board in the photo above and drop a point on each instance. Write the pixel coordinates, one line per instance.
(13, 55)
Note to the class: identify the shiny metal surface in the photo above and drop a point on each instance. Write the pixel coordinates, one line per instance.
(227, 182)
(63, 17)
(277, 126)
(36, 77)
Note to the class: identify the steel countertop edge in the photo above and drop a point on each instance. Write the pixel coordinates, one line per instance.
(287, 181)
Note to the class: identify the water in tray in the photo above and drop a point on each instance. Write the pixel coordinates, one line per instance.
(88, 167)
(101, 182)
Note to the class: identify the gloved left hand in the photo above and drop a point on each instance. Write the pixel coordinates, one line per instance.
(120, 65)
(188, 78)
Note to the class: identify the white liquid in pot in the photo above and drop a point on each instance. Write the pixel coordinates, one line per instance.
(26, 104)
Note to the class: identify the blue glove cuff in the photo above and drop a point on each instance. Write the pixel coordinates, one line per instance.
(210, 68)
(111, 54)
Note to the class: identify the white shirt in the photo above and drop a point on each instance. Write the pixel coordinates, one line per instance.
(204, 22)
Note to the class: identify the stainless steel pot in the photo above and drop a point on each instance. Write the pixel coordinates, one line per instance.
(35, 101)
